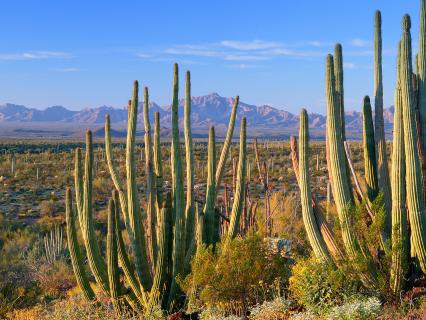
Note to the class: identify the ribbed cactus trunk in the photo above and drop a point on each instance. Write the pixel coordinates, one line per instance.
(189, 210)
(137, 234)
(415, 198)
(75, 252)
(314, 235)
(209, 215)
(240, 186)
(369, 147)
(338, 74)
(112, 258)
(96, 262)
(382, 158)
(399, 214)
(421, 71)
(226, 144)
(341, 183)
(151, 209)
(158, 166)
(178, 192)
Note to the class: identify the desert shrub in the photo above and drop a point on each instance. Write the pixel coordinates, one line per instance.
(360, 309)
(275, 309)
(237, 278)
(318, 286)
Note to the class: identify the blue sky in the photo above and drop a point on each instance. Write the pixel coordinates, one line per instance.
(87, 53)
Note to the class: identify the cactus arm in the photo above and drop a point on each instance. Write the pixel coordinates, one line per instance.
(178, 192)
(226, 145)
(209, 212)
(370, 165)
(137, 234)
(237, 205)
(74, 249)
(96, 262)
(158, 168)
(189, 152)
(326, 231)
(315, 239)
(112, 258)
(399, 214)
(338, 74)
(415, 198)
(421, 71)
(78, 185)
(113, 172)
(124, 260)
(382, 158)
(150, 182)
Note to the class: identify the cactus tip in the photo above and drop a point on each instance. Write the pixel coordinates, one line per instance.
(366, 100)
(406, 23)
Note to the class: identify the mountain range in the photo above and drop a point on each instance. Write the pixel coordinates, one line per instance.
(207, 110)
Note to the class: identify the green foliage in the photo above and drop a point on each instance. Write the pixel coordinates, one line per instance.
(360, 309)
(234, 279)
(318, 286)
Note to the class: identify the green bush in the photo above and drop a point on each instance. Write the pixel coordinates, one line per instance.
(318, 286)
(360, 309)
(235, 279)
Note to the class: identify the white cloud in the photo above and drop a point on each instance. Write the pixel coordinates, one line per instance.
(244, 66)
(233, 57)
(34, 55)
(144, 55)
(349, 65)
(249, 45)
(359, 43)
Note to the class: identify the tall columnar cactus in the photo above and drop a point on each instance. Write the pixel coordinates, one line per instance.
(382, 159)
(240, 186)
(210, 213)
(369, 151)
(399, 214)
(421, 71)
(74, 249)
(136, 231)
(341, 186)
(153, 278)
(415, 198)
(190, 201)
(178, 192)
(314, 235)
(338, 74)
(151, 207)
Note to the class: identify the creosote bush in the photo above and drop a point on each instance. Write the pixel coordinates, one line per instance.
(236, 278)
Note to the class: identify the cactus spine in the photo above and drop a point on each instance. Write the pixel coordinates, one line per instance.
(316, 240)
(369, 151)
(415, 198)
(399, 214)
(382, 159)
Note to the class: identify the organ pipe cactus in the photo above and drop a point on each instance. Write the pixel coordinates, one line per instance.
(153, 276)
(209, 214)
(240, 186)
(382, 159)
(421, 71)
(314, 235)
(74, 249)
(415, 198)
(369, 151)
(399, 213)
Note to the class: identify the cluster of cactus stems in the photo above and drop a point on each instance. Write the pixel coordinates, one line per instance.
(404, 224)
(165, 234)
